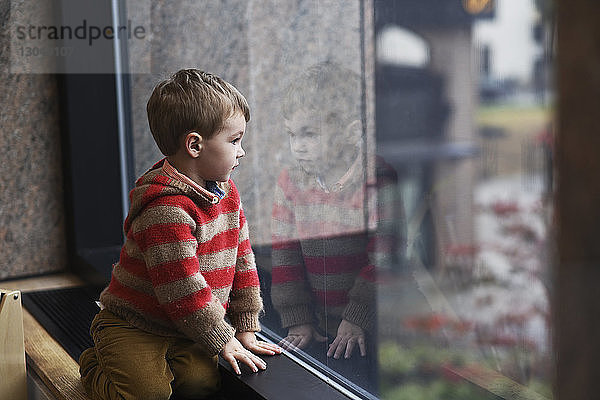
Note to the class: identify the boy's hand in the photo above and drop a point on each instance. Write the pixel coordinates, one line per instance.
(233, 351)
(248, 340)
(300, 336)
(348, 335)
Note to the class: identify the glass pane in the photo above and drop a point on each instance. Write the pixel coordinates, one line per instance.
(467, 315)
(397, 180)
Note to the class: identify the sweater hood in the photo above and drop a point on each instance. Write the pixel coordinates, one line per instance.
(155, 183)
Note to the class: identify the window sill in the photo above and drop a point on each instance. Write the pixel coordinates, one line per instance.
(58, 372)
(283, 376)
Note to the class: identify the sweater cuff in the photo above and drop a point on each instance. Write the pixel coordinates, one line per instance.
(216, 338)
(297, 315)
(245, 322)
(359, 314)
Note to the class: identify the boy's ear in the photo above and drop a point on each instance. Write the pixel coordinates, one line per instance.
(193, 144)
(353, 131)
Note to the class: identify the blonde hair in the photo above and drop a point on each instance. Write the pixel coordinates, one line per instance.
(191, 101)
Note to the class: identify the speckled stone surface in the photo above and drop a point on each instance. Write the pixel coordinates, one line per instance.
(32, 227)
(258, 46)
(186, 34)
(285, 39)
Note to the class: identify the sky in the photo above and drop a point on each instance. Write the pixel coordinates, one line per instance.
(510, 38)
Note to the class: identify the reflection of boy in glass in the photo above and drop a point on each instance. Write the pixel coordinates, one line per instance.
(329, 233)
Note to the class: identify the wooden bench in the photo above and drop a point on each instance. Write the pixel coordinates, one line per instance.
(49, 366)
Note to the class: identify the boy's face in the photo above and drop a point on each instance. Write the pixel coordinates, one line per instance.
(314, 142)
(221, 153)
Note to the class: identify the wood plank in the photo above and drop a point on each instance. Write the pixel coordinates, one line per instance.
(13, 384)
(55, 367)
(46, 282)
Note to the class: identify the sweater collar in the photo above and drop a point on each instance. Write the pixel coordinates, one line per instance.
(345, 180)
(213, 196)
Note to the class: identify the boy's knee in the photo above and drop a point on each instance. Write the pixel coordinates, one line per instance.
(144, 384)
(102, 384)
(197, 383)
(150, 391)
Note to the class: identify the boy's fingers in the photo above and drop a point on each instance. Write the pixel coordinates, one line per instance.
(350, 348)
(233, 362)
(248, 361)
(362, 346)
(305, 340)
(270, 347)
(340, 348)
(260, 349)
(296, 341)
(333, 346)
(255, 362)
(289, 342)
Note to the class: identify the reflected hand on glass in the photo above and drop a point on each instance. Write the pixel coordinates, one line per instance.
(348, 336)
(300, 336)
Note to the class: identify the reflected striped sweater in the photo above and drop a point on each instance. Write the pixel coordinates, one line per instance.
(329, 245)
(186, 263)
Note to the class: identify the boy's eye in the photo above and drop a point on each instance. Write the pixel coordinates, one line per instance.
(311, 135)
(235, 141)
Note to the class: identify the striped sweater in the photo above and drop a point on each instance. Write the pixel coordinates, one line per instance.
(186, 263)
(328, 246)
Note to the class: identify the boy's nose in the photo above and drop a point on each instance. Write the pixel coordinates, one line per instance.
(298, 146)
(241, 152)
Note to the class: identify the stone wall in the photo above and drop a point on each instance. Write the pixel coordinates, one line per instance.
(32, 225)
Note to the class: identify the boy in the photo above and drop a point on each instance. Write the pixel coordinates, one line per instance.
(187, 262)
(332, 227)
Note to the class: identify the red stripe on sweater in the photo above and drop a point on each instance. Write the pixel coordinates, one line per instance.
(332, 298)
(132, 265)
(222, 241)
(187, 305)
(140, 301)
(280, 243)
(246, 279)
(154, 190)
(282, 213)
(162, 233)
(174, 271)
(287, 273)
(382, 243)
(335, 264)
(368, 273)
(244, 248)
(219, 278)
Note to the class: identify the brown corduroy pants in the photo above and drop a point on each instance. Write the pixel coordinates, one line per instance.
(128, 363)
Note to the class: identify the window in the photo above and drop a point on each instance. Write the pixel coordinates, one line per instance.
(397, 177)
